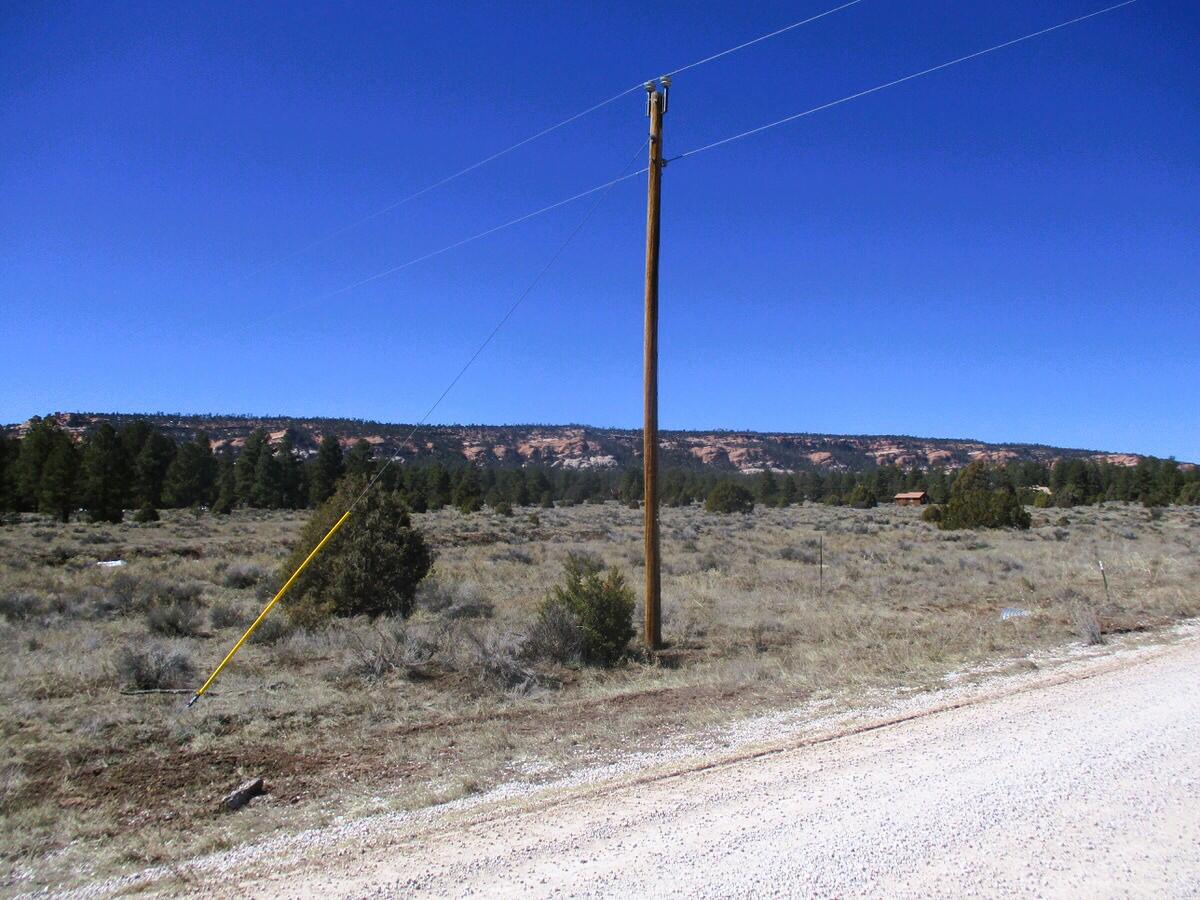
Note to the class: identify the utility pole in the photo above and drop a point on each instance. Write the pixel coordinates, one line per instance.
(656, 105)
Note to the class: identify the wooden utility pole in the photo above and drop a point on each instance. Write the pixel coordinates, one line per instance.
(656, 105)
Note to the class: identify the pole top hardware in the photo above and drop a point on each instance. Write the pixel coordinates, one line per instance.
(665, 83)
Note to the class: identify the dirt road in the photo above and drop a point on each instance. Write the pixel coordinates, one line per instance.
(1087, 787)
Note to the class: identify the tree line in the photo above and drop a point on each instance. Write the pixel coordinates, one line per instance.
(140, 468)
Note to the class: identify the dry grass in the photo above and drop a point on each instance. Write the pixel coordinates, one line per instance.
(366, 716)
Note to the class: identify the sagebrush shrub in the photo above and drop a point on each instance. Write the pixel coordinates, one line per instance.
(17, 606)
(244, 575)
(454, 599)
(154, 667)
(181, 617)
(555, 635)
(272, 629)
(228, 615)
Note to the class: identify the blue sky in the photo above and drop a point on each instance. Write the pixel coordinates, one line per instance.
(1006, 250)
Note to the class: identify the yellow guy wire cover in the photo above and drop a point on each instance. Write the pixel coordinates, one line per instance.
(267, 609)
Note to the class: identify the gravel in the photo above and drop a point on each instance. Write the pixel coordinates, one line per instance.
(1081, 777)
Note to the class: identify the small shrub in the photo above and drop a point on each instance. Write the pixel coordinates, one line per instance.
(729, 497)
(153, 668)
(17, 606)
(272, 629)
(390, 648)
(145, 514)
(798, 554)
(496, 661)
(512, 554)
(228, 615)
(177, 590)
(125, 588)
(181, 617)
(932, 514)
(556, 635)
(244, 575)
(454, 599)
(601, 603)
(1087, 626)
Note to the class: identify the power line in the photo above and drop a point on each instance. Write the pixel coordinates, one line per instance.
(760, 38)
(808, 112)
(477, 236)
(429, 412)
(603, 190)
(880, 87)
(437, 184)
(362, 220)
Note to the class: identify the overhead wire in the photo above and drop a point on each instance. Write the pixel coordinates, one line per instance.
(759, 39)
(893, 83)
(482, 234)
(602, 190)
(711, 146)
(508, 314)
(395, 204)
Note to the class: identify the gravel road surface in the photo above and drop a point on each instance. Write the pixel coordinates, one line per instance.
(1088, 787)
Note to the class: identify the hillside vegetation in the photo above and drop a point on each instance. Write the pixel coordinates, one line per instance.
(140, 467)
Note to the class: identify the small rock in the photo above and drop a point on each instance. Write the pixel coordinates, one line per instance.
(243, 794)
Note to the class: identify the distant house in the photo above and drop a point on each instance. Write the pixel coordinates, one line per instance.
(912, 498)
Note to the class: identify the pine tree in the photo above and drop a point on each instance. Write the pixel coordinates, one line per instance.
(768, 489)
(268, 481)
(107, 475)
(226, 498)
(133, 436)
(787, 490)
(150, 468)
(294, 488)
(468, 495)
(246, 467)
(438, 488)
(519, 489)
(56, 494)
(191, 476)
(9, 451)
(27, 470)
(327, 468)
(631, 489)
(974, 504)
(360, 460)
(862, 497)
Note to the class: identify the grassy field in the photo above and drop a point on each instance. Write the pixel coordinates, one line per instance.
(362, 716)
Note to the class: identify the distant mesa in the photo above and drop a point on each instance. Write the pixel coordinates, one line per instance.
(584, 447)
